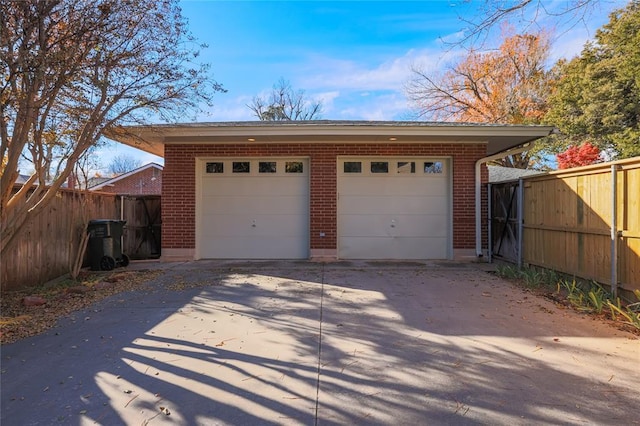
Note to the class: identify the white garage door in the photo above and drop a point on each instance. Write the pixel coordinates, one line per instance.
(253, 209)
(394, 208)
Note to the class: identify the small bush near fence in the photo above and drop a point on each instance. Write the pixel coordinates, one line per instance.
(565, 220)
(584, 296)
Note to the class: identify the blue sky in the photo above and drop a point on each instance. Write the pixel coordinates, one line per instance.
(354, 56)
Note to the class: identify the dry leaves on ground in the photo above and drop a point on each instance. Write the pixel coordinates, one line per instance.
(18, 320)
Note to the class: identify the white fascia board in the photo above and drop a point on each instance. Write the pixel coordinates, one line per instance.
(152, 138)
(111, 181)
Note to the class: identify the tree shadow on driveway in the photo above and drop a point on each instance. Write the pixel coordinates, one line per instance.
(305, 343)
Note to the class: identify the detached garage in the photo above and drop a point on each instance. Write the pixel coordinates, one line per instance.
(325, 189)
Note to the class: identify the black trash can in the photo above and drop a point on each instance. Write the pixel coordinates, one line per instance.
(105, 247)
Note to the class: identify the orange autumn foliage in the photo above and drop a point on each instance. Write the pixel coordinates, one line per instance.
(507, 86)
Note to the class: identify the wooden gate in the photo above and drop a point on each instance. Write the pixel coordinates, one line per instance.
(503, 212)
(142, 232)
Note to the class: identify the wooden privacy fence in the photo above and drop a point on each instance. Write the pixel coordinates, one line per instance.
(503, 222)
(583, 222)
(142, 232)
(47, 246)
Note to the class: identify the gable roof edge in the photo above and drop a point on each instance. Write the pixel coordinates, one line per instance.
(125, 175)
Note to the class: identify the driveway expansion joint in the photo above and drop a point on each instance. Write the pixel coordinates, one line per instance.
(322, 282)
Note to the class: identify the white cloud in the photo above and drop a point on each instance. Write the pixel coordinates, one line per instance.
(331, 73)
(327, 99)
(392, 106)
(234, 109)
(569, 44)
(453, 37)
(351, 89)
(379, 106)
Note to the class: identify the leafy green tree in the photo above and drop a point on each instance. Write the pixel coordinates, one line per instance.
(72, 69)
(597, 98)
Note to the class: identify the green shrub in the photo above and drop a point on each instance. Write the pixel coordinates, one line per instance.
(584, 296)
(508, 271)
(630, 313)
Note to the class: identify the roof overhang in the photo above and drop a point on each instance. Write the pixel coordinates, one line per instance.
(498, 137)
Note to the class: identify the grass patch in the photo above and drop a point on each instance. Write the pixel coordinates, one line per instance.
(533, 278)
(584, 296)
(629, 314)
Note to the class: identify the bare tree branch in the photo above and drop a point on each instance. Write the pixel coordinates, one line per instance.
(73, 68)
(507, 86)
(122, 164)
(529, 15)
(285, 103)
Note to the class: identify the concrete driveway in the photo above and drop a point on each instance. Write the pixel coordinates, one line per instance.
(306, 343)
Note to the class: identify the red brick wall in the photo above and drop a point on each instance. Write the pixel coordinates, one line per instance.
(179, 198)
(141, 183)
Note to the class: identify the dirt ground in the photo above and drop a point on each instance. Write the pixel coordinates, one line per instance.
(61, 298)
(32, 311)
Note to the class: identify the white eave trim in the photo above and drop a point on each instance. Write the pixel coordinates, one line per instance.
(462, 131)
(152, 138)
(111, 181)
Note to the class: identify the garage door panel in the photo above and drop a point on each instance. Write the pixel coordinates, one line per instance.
(398, 205)
(426, 187)
(401, 248)
(275, 226)
(394, 186)
(279, 186)
(250, 186)
(393, 226)
(394, 215)
(238, 247)
(254, 215)
(359, 185)
(238, 205)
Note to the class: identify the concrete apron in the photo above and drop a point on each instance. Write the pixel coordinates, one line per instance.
(306, 343)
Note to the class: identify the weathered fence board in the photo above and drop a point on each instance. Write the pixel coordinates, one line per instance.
(567, 221)
(629, 224)
(504, 221)
(46, 247)
(142, 232)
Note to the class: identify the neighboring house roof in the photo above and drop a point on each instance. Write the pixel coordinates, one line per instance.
(499, 137)
(22, 179)
(111, 181)
(91, 182)
(503, 174)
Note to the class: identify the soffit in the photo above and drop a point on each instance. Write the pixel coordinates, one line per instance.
(498, 138)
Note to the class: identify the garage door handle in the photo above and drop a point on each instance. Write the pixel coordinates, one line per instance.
(253, 224)
(393, 224)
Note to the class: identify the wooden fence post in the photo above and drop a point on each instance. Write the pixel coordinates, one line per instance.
(489, 227)
(520, 235)
(614, 231)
